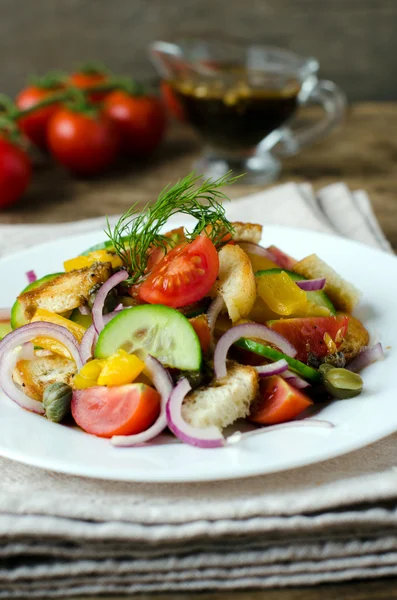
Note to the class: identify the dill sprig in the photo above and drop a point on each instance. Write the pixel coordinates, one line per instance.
(137, 232)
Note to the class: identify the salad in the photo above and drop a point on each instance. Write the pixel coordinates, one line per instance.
(190, 330)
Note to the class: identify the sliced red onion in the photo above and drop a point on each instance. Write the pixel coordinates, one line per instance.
(238, 436)
(367, 356)
(97, 309)
(163, 384)
(31, 276)
(311, 285)
(295, 380)
(252, 248)
(283, 260)
(8, 362)
(247, 330)
(206, 437)
(90, 337)
(28, 332)
(84, 310)
(5, 314)
(280, 366)
(212, 314)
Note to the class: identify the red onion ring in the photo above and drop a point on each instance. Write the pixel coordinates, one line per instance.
(252, 248)
(367, 356)
(294, 380)
(212, 314)
(5, 314)
(276, 368)
(90, 337)
(238, 436)
(250, 330)
(97, 309)
(311, 285)
(206, 437)
(163, 384)
(10, 388)
(31, 276)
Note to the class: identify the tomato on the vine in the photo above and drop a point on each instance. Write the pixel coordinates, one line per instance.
(15, 172)
(84, 142)
(35, 125)
(89, 76)
(186, 274)
(141, 121)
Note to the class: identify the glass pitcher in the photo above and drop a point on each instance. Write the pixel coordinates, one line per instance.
(242, 100)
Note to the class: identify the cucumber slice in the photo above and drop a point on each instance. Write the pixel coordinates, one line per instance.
(320, 298)
(17, 312)
(83, 320)
(295, 365)
(152, 329)
(105, 245)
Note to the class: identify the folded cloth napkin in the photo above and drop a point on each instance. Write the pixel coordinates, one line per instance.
(334, 521)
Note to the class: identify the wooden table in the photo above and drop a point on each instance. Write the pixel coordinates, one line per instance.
(363, 153)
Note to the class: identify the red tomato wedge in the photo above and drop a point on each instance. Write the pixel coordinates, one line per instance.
(183, 276)
(308, 334)
(201, 327)
(278, 402)
(122, 410)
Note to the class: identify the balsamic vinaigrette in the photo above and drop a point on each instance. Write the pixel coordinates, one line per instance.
(235, 117)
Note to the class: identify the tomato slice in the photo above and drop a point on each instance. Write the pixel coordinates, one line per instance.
(312, 334)
(122, 410)
(183, 276)
(278, 402)
(201, 327)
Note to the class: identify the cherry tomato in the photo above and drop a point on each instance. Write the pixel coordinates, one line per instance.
(277, 402)
(309, 334)
(83, 143)
(120, 410)
(171, 101)
(141, 121)
(183, 276)
(15, 172)
(35, 125)
(86, 78)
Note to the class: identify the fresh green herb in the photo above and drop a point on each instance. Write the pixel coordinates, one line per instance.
(137, 232)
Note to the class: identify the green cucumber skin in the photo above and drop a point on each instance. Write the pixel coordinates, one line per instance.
(118, 333)
(320, 298)
(295, 365)
(17, 318)
(106, 245)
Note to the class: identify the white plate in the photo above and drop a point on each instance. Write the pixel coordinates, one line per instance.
(31, 439)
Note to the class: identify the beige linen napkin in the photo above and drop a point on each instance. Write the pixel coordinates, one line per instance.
(63, 535)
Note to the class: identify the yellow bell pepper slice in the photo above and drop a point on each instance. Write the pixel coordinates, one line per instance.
(45, 316)
(120, 368)
(88, 375)
(281, 294)
(81, 262)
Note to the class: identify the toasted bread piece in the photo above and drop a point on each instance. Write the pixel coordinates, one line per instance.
(342, 293)
(66, 292)
(224, 401)
(247, 232)
(236, 282)
(36, 374)
(355, 339)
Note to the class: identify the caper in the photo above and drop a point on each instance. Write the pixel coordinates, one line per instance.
(325, 367)
(56, 401)
(341, 383)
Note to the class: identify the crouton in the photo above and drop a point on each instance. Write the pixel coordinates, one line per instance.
(236, 282)
(247, 232)
(224, 401)
(355, 339)
(35, 375)
(66, 292)
(342, 293)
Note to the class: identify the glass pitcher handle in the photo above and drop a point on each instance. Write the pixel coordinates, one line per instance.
(333, 100)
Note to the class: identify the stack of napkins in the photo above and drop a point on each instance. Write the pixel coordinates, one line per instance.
(334, 521)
